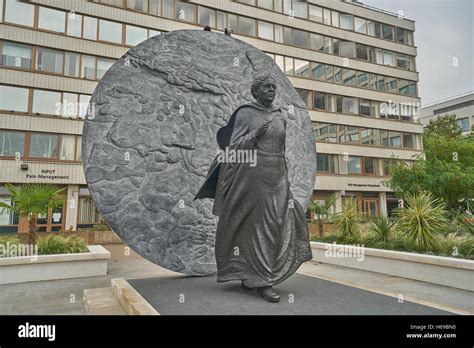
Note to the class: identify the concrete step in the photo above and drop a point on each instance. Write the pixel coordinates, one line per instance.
(102, 301)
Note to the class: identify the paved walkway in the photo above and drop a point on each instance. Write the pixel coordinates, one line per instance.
(65, 296)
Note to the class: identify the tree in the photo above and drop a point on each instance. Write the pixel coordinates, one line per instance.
(349, 219)
(322, 211)
(31, 200)
(447, 171)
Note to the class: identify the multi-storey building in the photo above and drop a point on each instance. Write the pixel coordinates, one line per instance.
(461, 105)
(353, 65)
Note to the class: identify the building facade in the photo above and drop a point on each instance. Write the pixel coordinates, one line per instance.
(353, 65)
(461, 105)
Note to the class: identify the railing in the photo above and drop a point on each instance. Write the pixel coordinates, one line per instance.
(357, 3)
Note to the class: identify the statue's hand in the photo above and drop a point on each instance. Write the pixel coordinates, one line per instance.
(263, 128)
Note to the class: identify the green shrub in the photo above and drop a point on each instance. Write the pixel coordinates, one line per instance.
(382, 230)
(56, 244)
(349, 219)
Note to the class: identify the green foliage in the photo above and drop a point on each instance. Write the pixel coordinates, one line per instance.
(322, 211)
(349, 219)
(422, 217)
(382, 231)
(56, 244)
(445, 126)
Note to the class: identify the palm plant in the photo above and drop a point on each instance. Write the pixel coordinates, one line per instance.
(382, 231)
(349, 219)
(322, 211)
(31, 200)
(422, 217)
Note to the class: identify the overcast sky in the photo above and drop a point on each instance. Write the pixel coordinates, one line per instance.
(444, 30)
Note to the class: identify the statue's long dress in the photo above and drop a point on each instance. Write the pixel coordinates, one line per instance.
(262, 235)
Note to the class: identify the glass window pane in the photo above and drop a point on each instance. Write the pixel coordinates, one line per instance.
(83, 105)
(360, 25)
(317, 42)
(278, 6)
(46, 102)
(305, 95)
(380, 84)
(43, 145)
(350, 106)
(79, 149)
(11, 143)
(19, 13)
(346, 21)
(349, 77)
(329, 73)
(268, 4)
(152, 33)
(14, 98)
(369, 165)
(388, 58)
(315, 13)
(185, 11)
(373, 82)
(71, 64)
(102, 66)
(354, 165)
(328, 45)
(70, 105)
(138, 5)
(352, 135)
(301, 68)
(135, 35)
(362, 79)
(327, 16)
(346, 49)
(90, 28)
(395, 139)
(287, 36)
(68, 146)
(16, 55)
(408, 141)
(337, 74)
(50, 19)
(207, 16)
(300, 9)
(401, 36)
(319, 100)
(154, 7)
(317, 71)
(391, 85)
(221, 20)
(402, 62)
(288, 66)
(279, 60)
(88, 67)
(168, 8)
(265, 30)
(367, 136)
(335, 18)
(232, 22)
(247, 26)
(371, 28)
(110, 31)
(49, 60)
(366, 107)
(74, 24)
(1, 13)
(387, 32)
(278, 33)
(301, 38)
(362, 52)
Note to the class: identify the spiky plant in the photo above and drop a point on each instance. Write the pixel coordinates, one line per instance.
(421, 219)
(349, 219)
(322, 211)
(31, 200)
(382, 230)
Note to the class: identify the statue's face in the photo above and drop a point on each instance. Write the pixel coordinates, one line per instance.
(266, 92)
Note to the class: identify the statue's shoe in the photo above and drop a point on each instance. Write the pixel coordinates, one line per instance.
(245, 286)
(268, 294)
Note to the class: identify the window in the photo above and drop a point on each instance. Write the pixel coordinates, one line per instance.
(68, 147)
(134, 35)
(70, 105)
(317, 42)
(328, 45)
(301, 38)
(362, 52)
(265, 30)
(371, 28)
(43, 145)
(335, 18)
(288, 66)
(83, 105)
(79, 149)
(463, 123)
(74, 25)
(278, 33)
(367, 108)
(16, 55)
(367, 136)
(301, 68)
(373, 81)
(87, 213)
(395, 139)
(352, 135)
(347, 105)
(305, 95)
(408, 141)
(317, 71)
(14, 98)
(337, 74)
(319, 100)
(346, 21)
(1, 13)
(315, 13)
(207, 17)
(277, 5)
(279, 60)
(369, 166)
(8, 218)
(388, 58)
(154, 7)
(354, 165)
(401, 35)
(247, 26)
(19, 13)
(300, 9)
(391, 85)
(349, 77)
(49, 60)
(402, 62)
(50, 19)
(387, 32)
(267, 4)
(110, 31)
(138, 5)
(71, 64)
(329, 73)
(168, 8)
(347, 49)
(380, 84)
(185, 11)
(378, 30)
(118, 3)
(326, 163)
(11, 143)
(88, 67)
(90, 28)
(46, 102)
(360, 25)
(362, 79)
(102, 66)
(327, 16)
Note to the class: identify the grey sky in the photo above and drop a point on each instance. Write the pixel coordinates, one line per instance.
(444, 30)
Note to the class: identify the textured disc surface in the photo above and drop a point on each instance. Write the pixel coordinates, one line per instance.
(149, 139)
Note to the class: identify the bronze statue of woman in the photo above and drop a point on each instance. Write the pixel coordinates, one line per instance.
(262, 236)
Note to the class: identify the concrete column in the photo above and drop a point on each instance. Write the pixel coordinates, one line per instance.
(383, 203)
(72, 207)
(338, 204)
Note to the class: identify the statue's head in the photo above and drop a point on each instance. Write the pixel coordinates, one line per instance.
(263, 89)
